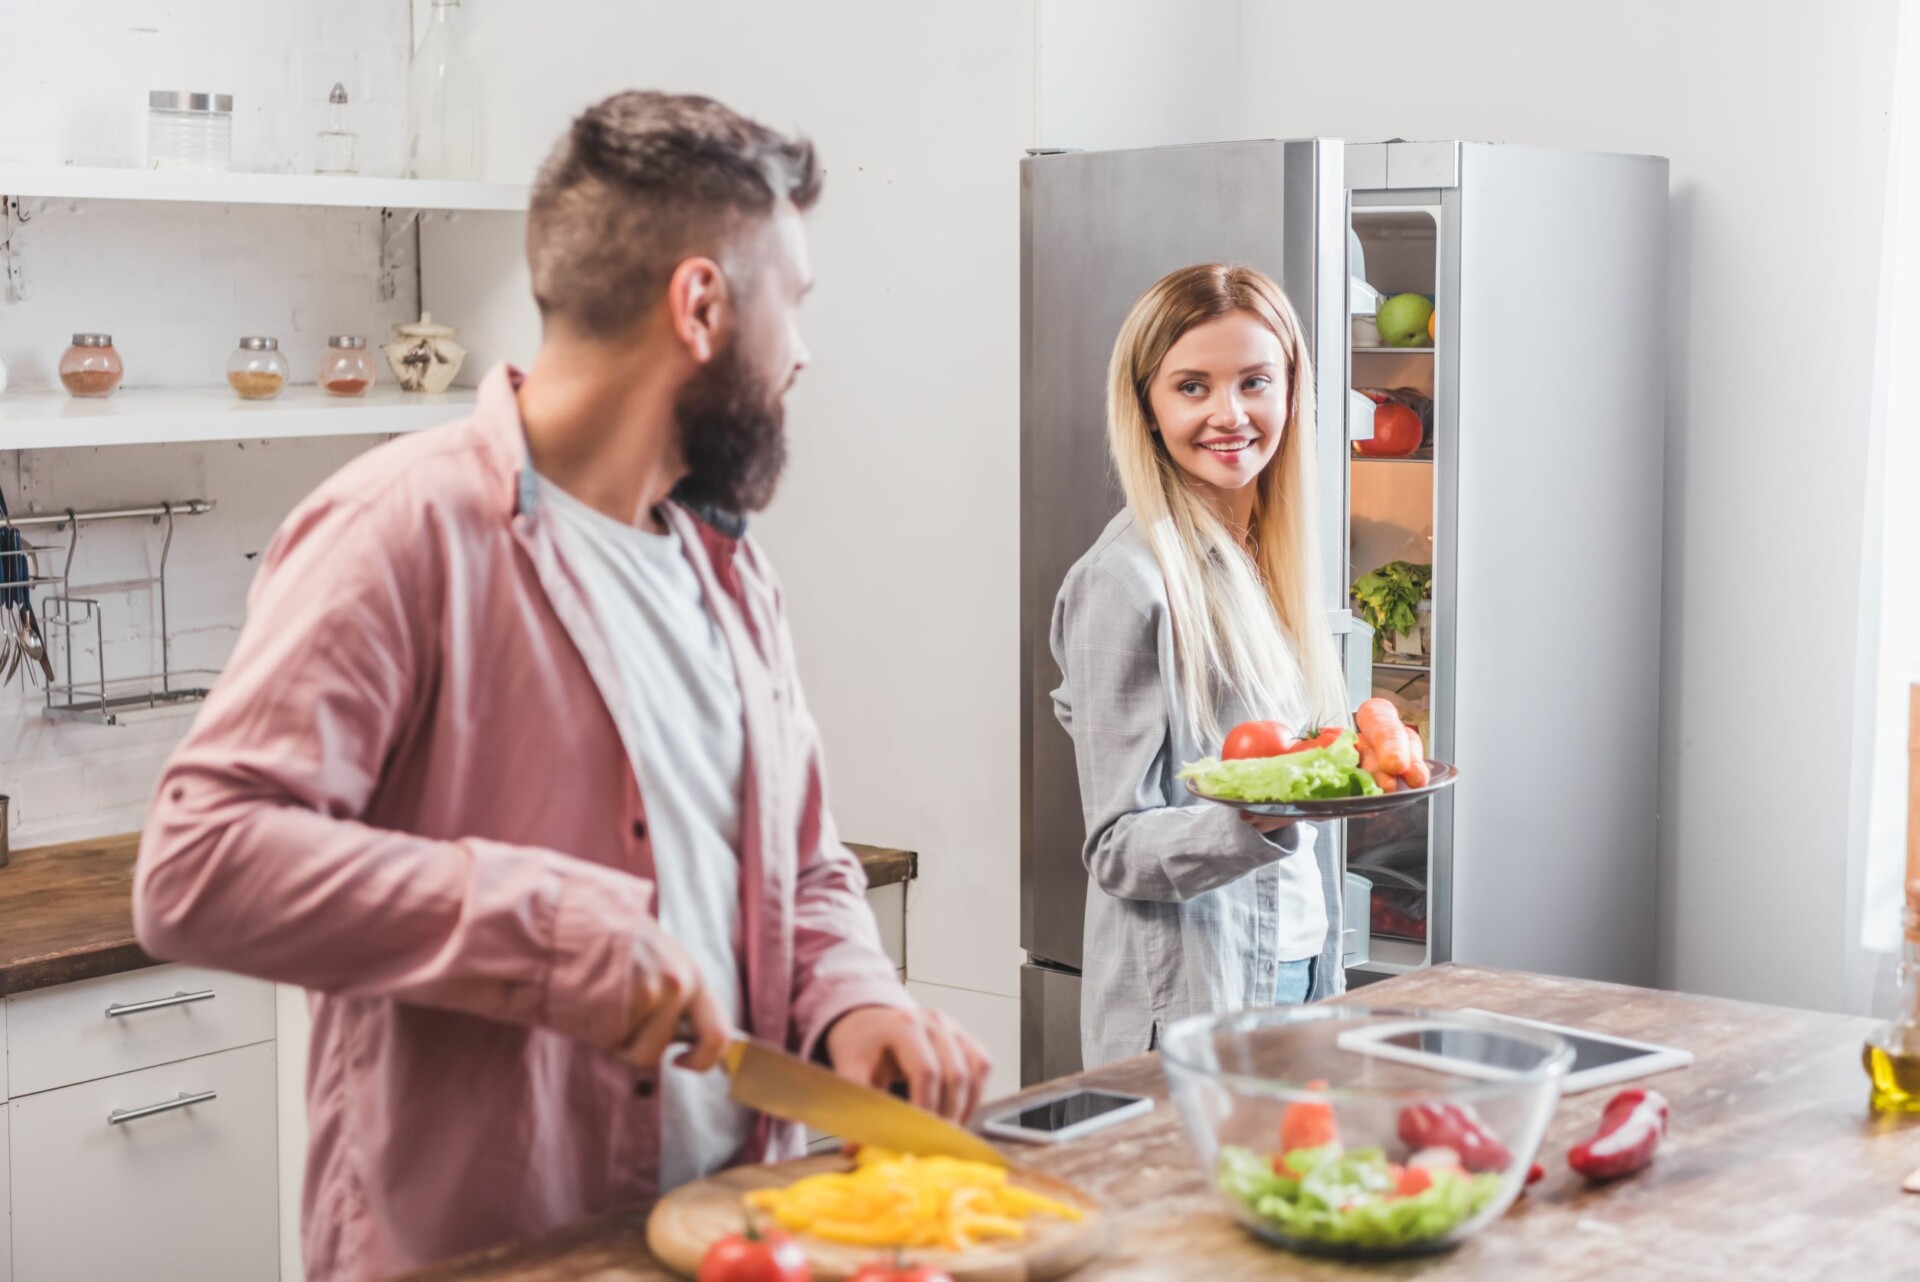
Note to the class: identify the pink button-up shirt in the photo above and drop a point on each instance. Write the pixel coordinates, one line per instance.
(408, 795)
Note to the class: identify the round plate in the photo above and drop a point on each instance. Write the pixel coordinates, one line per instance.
(1342, 807)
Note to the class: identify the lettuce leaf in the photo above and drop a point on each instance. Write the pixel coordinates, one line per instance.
(1347, 1199)
(1312, 775)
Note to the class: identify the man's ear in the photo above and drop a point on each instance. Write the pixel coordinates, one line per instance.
(699, 307)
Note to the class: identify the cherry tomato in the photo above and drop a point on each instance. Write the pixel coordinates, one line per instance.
(898, 1270)
(1412, 1181)
(1256, 739)
(757, 1255)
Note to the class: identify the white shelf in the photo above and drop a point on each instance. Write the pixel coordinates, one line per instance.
(227, 188)
(1393, 956)
(1392, 458)
(1383, 350)
(147, 416)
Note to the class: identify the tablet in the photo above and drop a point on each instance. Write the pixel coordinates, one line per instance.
(1599, 1059)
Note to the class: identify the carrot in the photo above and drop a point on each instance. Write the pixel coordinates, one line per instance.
(1370, 762)
(1380, 725)
(1418, 776)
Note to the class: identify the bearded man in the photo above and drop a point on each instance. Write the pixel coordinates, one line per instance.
(511, 768)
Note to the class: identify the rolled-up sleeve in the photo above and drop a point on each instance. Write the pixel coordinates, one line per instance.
(1113, 701)
(256, 859)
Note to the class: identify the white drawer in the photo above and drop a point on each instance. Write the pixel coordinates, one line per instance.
(186, 1195)
(6, 1245)
(62, 1035)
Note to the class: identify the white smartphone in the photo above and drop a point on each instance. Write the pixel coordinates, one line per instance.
(1599, 1059)
(1054, 1119)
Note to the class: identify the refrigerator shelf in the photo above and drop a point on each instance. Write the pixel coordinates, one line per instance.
(1362, 349)
(1392, 458)
(1391, 956)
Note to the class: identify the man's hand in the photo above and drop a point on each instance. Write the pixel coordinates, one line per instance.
(669, 999)
(945, 1069)
(1268, 824)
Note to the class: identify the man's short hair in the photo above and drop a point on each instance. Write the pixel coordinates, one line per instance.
(641, 182)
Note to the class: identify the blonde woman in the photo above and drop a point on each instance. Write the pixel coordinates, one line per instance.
(1198, 608)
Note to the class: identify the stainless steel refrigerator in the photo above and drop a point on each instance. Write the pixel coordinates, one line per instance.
(1534, 495)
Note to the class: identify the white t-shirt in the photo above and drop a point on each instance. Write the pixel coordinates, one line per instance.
(680, 718)
(1303, 906)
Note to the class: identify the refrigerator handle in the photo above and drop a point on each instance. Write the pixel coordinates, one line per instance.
(1356, 643)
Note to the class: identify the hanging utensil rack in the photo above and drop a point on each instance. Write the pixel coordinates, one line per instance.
(96, 697)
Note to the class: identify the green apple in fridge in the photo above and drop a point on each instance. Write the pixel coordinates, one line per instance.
(1403, 320)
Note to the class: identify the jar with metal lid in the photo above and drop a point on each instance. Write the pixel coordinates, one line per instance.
(189, 130)
(346, 369)
(91, 367)
(257, 370)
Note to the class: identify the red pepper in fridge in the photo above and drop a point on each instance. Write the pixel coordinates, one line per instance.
(1454, 1126)
(1631, 1128)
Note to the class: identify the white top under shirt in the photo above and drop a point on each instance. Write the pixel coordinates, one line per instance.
(680, 718)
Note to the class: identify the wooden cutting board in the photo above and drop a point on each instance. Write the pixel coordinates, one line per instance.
(695, 1216)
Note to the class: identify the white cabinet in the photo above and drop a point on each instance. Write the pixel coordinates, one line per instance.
(141, 1137)
(121, 1178)
(97, 1027)
(6, 1242)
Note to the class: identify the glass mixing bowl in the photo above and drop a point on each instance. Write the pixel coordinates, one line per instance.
(1326, 1148)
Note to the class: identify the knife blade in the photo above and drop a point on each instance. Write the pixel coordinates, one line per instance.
(768, 1079)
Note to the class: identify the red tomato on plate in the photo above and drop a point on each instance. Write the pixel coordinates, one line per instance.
(1318, 739)
(1256, 739)
(758, 1255)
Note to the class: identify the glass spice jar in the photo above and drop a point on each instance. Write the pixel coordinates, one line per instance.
(91, 367)
(189, 130)
(257, 370)
(346, 369)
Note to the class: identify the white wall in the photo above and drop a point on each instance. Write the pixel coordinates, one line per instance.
(1138, 73)
(1776, 127)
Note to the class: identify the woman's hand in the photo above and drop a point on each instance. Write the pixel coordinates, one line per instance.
(1268, 824)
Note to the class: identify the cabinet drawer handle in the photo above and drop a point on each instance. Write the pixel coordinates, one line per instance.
(178, 999)
(183, 1100)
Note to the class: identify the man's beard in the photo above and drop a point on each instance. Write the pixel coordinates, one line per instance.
(732, 435)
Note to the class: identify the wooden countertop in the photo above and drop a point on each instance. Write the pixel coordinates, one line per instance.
(1774, 1169)
(66, 912)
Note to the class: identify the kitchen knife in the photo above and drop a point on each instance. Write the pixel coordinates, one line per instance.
(785, 1086)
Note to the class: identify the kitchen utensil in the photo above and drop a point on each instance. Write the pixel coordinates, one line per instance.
(10, 648)
(693, 1217)
(1342, 807)
(772, 1081)
(1253, 1086)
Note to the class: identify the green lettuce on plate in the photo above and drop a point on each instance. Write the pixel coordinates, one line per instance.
(1348, 1199)
(1312, 775)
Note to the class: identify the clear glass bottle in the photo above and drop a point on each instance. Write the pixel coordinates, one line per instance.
(333, 146)
(443, 100)
(256, 370)
(1892, 1052)
(91, 367)
(346, 369)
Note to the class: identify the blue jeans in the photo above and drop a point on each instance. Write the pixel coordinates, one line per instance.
(1296, 981)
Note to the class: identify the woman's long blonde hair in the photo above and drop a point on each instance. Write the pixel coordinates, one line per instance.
(1245, 624)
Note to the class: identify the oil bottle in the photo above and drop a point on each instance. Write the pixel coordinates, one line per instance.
(1892, 1052)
